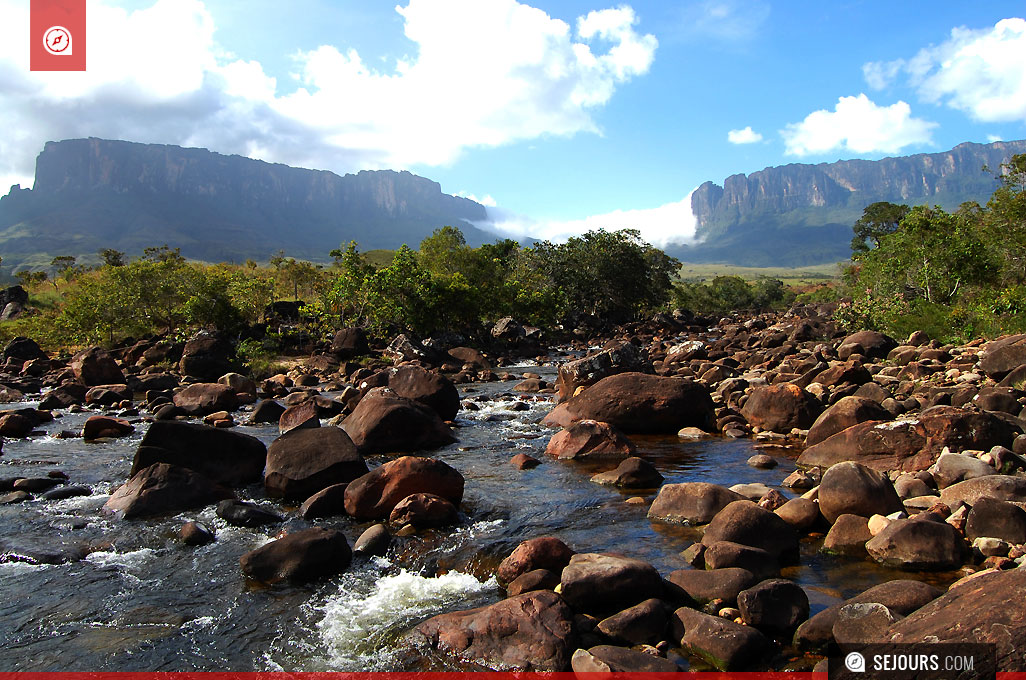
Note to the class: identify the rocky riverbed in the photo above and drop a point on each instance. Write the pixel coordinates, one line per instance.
(676, 495)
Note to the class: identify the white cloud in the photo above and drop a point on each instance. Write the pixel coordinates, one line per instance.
(859, 125)
(484, 73)
(725, 20)
(744, 136)
(661, 226)
(981, 72)
(485, 200)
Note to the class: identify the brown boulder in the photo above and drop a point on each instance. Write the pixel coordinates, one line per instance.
(532, 632)
(424, 387)
(622, 660)
(642, 624)
(604, 582)
(104, 426)
(200, 399)
(206, 357)
(163, 489)
(713, 584)
(590, 440)
(919, 544)
(545, 552)
(229, 458)
(872, 344)
(780, 408)
(620, 357)
(349, 343)
(93, 366)
(375, 494)
(1001, 357)
(303, 415)
(851, 488)
(997, 487)
(726, 645)
(633, 473)
(306, 460)
(639, 403)
(468, 355)
(844, 413)
(385, 422)
(423, 511)
(691, 502)
(746, 523)
(300, 557)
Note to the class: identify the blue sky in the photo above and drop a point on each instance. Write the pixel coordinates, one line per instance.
(560, 116)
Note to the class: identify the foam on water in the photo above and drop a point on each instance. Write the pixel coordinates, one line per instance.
(366, 613)
(127, 560)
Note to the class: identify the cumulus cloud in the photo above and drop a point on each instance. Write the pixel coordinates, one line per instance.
(484, 73)
(981, 72)
(859, 125)
(744, 136)
(672, 223)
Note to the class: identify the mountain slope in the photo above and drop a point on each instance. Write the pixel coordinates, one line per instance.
(92, 193)
(799, 214)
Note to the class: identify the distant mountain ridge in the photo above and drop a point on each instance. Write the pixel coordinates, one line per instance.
(799, 214)
(93, 193)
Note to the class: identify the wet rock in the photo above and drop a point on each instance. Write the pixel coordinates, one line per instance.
(602, 582)
(851, 488)
(762, 461)
(801, 513)
(200, 399)
(229, 458)
(780, 408)
(424, 387)
(725, 645)
(375, 494)
(952, 468)
(374, 541)
(299, 416)
(714, 584)
(266, 411)
(976, 611)
(531, 385)
(163, 489)
(15, 497)
(844, 413)
(384, 422)
(195, 534)
(108, 395)
(240, 383)
(996, 519)
(35, 484)
(303, 556)
(619, 357)
(776, 606)
(633, 473)
(919, 545)
(304, 461)
(998, 487)
(64, 396)
(468, 355)
(328, 502)
(901, 596)
(243, 514)
(16, 425)
(639, 403)
(103, 426)
(545, 552)
(538, 579)
(94, 366)
(522, 461)
(848, 536)
(423, 511)
(746, 523)
(610, 659)
(644, 623)
(532, 632)
(590, 440)
(71, 491)
(861, 623)
(691, 502)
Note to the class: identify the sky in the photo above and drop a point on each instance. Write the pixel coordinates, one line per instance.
(558, 116)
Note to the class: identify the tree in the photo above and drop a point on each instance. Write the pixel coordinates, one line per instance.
(444, 252)
(1005, 219)
(112, 258)
(63, 265)
(878, 220)
(30, 279)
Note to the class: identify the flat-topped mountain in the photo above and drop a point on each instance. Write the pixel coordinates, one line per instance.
(91, 194)
(802, 214)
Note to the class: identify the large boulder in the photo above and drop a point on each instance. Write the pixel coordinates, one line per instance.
(206, 357)
(423, 511)
(304, 556)
(93, 366)
(622, 660)
(163, 489)
(533, 631)
(691, 502)
(870, 344)
(349, 343)
(851, 488)
(920, 545)
(200, 399)
(306, 460)
(606, 583)
(226, 457)
(780, 408)
(774, 606)
(590, 440)
(375, 494)
(424, 387)
(984, 609)
(22, 348)
(844, 413)
(97, 427)
(642, 624)
(545, 552)
(1001, 357)
(746, 523)
(617, 357)
(632, 473)
(639, 403)
(726, 645)
(997, 487)
(714, 584)
(385, 422)
(996, 519)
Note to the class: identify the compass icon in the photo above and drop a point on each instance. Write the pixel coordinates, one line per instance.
(57, 41)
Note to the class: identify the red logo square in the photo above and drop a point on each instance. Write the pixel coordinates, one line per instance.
(57, 40)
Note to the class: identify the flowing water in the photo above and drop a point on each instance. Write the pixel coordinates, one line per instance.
(140, 600)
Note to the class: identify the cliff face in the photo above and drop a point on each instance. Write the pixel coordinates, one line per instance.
(796, 214)
(94, 193)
